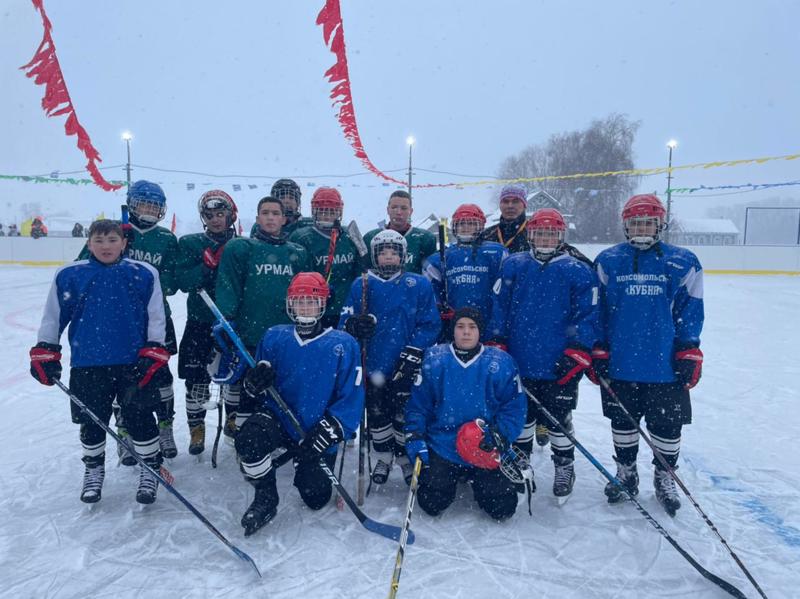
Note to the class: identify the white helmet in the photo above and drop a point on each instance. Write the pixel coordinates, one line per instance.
(388, 239)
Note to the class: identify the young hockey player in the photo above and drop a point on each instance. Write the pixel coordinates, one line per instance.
(252, 280)
(401, 321)
(651, 316)
(200, 255)
(462, 382)
(419, 243)
(329, 410)
(545, 311)
(157, 246)
(471, 267)
(330, 247)
(510, 231)
(115, 313)
(288, 193)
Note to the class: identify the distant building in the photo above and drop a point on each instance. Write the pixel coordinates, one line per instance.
(703, 231)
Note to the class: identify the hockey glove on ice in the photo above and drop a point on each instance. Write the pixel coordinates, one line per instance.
(152, 359)
(571, 365)
(211, 258)
(45, 362)
(417, 448)
(324, 434)
(599, 367)
(688, 364)
(361, 326)
(408, 366)
(259, 379)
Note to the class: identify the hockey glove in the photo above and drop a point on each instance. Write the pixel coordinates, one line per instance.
(152, 359)
(492, 439)
(498, 343)
(446, 313)
(362, 326)
(408, 366)
(258, 379)
(222, 341)
(324, 434)
(45, 362)
(211, 258)
(571, 365)
(417, 448)
(599, 367)
(688, 364)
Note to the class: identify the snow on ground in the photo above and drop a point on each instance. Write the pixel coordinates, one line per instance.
(740, 461)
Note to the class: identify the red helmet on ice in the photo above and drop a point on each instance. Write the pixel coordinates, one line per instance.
(306, 299)
(214, 201)
(546, 229)
(468, 441)
(467, 223)
(643, 219)
(326, 207)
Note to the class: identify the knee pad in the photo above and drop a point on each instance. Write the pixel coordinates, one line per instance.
(258, 436)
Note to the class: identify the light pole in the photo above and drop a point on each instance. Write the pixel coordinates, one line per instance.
(671, 144)
(127, 136)
(410, 141)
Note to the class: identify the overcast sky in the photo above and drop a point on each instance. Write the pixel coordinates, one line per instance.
(238, 88)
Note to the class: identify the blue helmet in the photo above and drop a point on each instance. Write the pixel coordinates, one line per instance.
(147, 202)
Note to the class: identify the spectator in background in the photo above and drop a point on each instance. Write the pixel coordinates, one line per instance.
(2, 233)
(38, 229)
(13, 231)
(77, 230)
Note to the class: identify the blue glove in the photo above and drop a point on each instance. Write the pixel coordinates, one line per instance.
(417, 448)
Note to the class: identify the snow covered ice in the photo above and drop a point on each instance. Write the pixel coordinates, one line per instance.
(739, 459)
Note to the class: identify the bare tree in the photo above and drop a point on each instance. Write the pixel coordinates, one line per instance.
(592, 203)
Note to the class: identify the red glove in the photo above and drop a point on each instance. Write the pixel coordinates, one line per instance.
(212, 258)
(497, 343)
(688, 366)
(575, 360)
(46, 362)
(151, 359)
(599, 367)
(446, 314)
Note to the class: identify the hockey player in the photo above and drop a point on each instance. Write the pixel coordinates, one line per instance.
(545, 311)
(420, 243)
(200, 255)
(651, 315)
(328, 410)
(401, 321)
(115, 313)
(330, 247)
(157, 246)
(472, 267)
(252, 280)
(462, 382)
(510, 231)
(288, 193)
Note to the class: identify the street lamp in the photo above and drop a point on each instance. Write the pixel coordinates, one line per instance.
(671, 144)
(127, 136)
(410, 141)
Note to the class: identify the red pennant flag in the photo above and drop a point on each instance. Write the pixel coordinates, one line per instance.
(174, 223)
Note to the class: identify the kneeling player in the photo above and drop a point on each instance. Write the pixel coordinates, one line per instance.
(460, 383)
(115, 312)
(318, 374)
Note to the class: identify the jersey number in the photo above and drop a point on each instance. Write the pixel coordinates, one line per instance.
(359, 375)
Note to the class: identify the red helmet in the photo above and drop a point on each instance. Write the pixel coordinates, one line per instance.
(644, 205)
(326, 197)
(467, 214)
(546, 218)
(469, 211)
(308, 284)
(468, 442)
(216, 199)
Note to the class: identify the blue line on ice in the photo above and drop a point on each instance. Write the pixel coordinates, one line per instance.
(762, 512)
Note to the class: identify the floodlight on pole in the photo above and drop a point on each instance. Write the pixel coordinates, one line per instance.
(410, 141)
(671, 144)
(127, 136)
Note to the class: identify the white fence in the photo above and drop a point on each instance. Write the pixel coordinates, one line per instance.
(743, 259)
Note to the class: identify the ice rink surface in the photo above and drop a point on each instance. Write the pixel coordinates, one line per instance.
(740, 459)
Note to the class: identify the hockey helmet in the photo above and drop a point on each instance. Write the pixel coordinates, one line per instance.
(215, 201)
(326, 207)
(643, 219)
(468, 445)
(388, 239)
(306, 298)
(147, 202)
(287, 188)
(467, 223)
(546, 229)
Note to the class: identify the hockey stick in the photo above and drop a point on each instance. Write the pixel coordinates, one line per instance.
(386, 530)
(339, 500)
(660, 457)
(238, 552)
(337, 226)
(723, 584)
(401, 550)
(443, 261)
(220, 410)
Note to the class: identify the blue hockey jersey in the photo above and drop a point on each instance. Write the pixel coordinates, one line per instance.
(541, 307)
(470, 273)
(407, 315)
(112, 311)
(649, 300)
(451, 392)
(314, 377)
